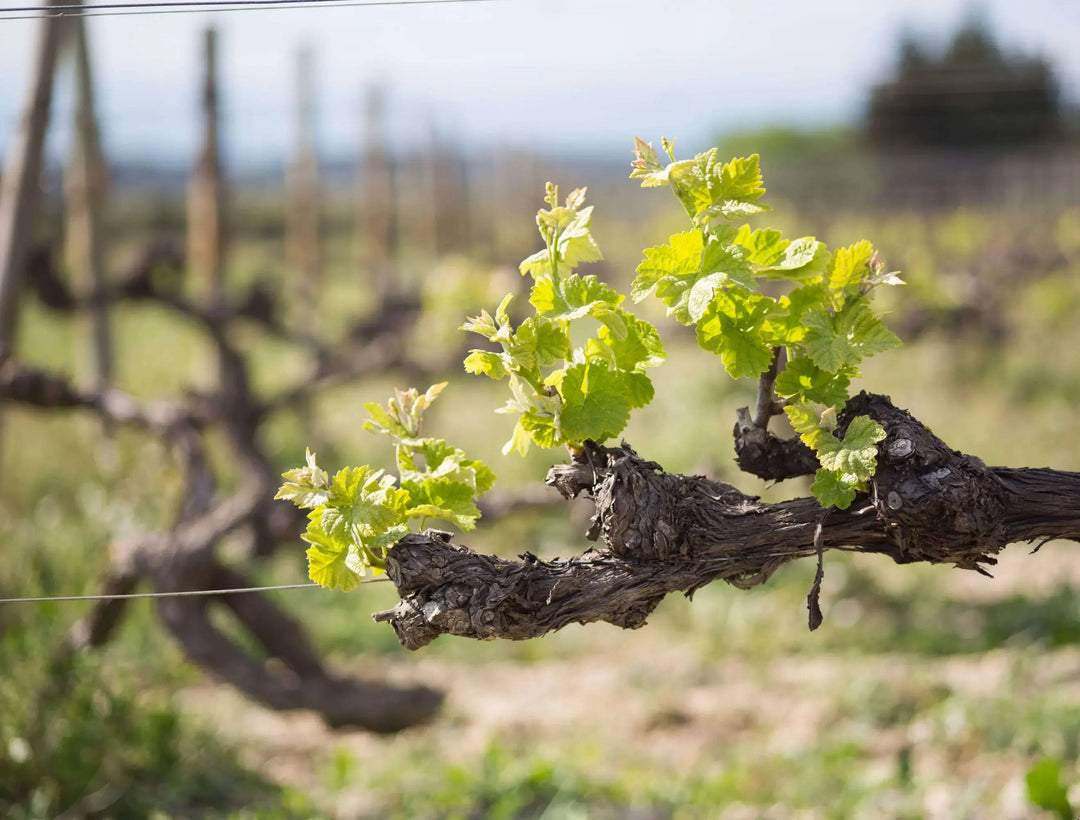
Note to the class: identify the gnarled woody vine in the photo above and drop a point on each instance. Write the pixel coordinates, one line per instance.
(665, 533)
(882, 481)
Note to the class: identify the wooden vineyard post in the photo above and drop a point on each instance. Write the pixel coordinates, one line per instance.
(20, 187)
(302, 183)
(423, 228)
(449, 196)
(85, 192)
(376, 223)
(206, 194)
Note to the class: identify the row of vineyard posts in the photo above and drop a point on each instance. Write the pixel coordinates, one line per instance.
(397, 207)
(427, 205)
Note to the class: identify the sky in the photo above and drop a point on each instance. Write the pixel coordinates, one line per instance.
(562, 76)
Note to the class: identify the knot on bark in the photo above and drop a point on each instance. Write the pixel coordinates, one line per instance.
(643, 513)
(937, 504)
(770, 458)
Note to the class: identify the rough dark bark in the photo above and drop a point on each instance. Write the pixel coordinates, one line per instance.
(761, 453)
(664, 533)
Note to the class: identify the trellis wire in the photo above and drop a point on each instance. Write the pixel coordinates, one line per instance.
(201, 6)
(176, 594)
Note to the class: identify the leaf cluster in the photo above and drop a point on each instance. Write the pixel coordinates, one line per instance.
(562, 391)
(710, 277)
(356, 516)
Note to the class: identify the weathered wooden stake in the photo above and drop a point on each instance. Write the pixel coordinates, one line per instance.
(376, 224)
(449, 196)
(206, 193)
(424, 206)
(20, 188)
(85, 192)
(302, 183)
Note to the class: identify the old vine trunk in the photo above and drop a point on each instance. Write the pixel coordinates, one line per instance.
(664, 533)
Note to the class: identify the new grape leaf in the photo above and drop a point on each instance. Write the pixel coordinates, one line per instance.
(800, 260)
(834, 489)
(802, 378)
(639, 348)
(444, 498)
(595, 403)
(806, 420)
(731, 328)
(647, 166)
(403, 412)
(306, 487)
(687, 272)
(835, 341)
(689, 180)
(856, 453)
(572, 240)
(487, 362)
(539, 427)
(444, 461)
(575, 297)
(327, 556)
(850, 265)
(734, 189)
(364, 504)
(638, 388)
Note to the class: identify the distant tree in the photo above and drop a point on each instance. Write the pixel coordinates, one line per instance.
(973, 95)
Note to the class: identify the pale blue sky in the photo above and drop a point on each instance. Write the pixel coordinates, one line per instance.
(562, 74)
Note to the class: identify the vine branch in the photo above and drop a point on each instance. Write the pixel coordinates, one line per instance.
(663, 533)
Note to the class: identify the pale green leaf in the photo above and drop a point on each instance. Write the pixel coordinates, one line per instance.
(442, 498)
(594, 404)
(327, 556)
(850, 265)
(306, 487)
(733, 191)
(800, 260)
(637, 387)
(639, 348)
(681, 257)
(834, 489)
(537, 265)
(486, 362)
(842, 340)
(647, 166)
(689, 180)
(688, 272)
(299, 489)
(868, 334)
(540, 428)
(805, 418)
(567, 236)
(731, 328)
(519, 441)
(573, 297)
(483, 324)
(856, 454)
(552, 343)
(802, 378)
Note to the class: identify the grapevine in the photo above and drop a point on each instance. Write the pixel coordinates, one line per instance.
(358, 515)
(566, 394)
(577, 366)
(823, 325)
